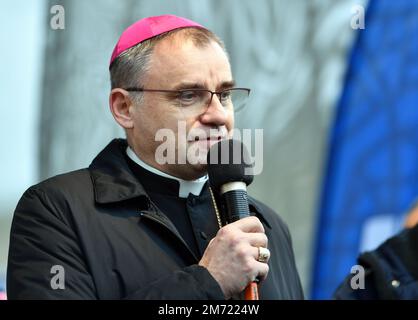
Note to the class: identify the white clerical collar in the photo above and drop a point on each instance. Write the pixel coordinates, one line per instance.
(186, 187)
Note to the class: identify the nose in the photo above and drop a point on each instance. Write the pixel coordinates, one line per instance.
(215, 114)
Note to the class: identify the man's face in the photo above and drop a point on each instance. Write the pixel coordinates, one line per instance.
(179, 64)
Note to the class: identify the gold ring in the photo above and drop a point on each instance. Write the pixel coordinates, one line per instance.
(263, 254)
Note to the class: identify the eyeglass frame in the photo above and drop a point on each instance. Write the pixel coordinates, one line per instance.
(130, 89)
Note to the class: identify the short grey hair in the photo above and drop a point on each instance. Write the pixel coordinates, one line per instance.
(131, 66)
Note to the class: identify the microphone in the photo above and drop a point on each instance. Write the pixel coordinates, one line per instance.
(229, 175)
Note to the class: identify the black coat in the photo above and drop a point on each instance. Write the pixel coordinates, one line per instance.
(98, 224)
(390, 271)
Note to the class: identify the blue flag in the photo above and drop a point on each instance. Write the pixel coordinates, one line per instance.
(371, 177)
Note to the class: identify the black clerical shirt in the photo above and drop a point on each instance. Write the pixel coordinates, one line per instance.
(194, 216)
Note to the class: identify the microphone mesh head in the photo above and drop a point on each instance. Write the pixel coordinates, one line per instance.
(229, 161)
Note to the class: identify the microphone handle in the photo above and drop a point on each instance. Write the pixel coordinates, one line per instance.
(236, 208)
(236, 205)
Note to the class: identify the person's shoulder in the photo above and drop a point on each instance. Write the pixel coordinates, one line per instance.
(69, 181)
(59, 188)
(54, 198)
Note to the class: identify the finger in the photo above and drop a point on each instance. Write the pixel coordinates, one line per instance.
(255, 252)
(263, 255)
(263, 270)
(249, 224)
(258, 240)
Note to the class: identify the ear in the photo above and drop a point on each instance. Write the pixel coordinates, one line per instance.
(121, 105)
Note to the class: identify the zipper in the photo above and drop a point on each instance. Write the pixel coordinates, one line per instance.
(154, 217)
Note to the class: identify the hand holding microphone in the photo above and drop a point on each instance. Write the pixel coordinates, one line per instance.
(238, 255)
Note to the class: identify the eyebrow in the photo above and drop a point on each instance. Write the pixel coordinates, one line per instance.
(227, 84)
(196, 85)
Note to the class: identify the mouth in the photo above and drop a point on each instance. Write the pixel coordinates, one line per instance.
(205, 142)
(207, 139)
(207, 136)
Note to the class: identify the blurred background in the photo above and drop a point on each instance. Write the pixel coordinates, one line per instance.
(336, 93)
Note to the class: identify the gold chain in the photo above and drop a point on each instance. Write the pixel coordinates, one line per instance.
(218, 216)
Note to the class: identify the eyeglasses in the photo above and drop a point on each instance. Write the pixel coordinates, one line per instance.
(199, 99)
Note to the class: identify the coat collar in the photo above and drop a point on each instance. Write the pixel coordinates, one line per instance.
(113, 180)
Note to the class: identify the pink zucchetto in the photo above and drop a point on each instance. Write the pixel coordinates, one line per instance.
(148, 28)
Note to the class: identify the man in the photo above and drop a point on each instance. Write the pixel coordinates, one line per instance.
(390, 271)
(132, 226)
